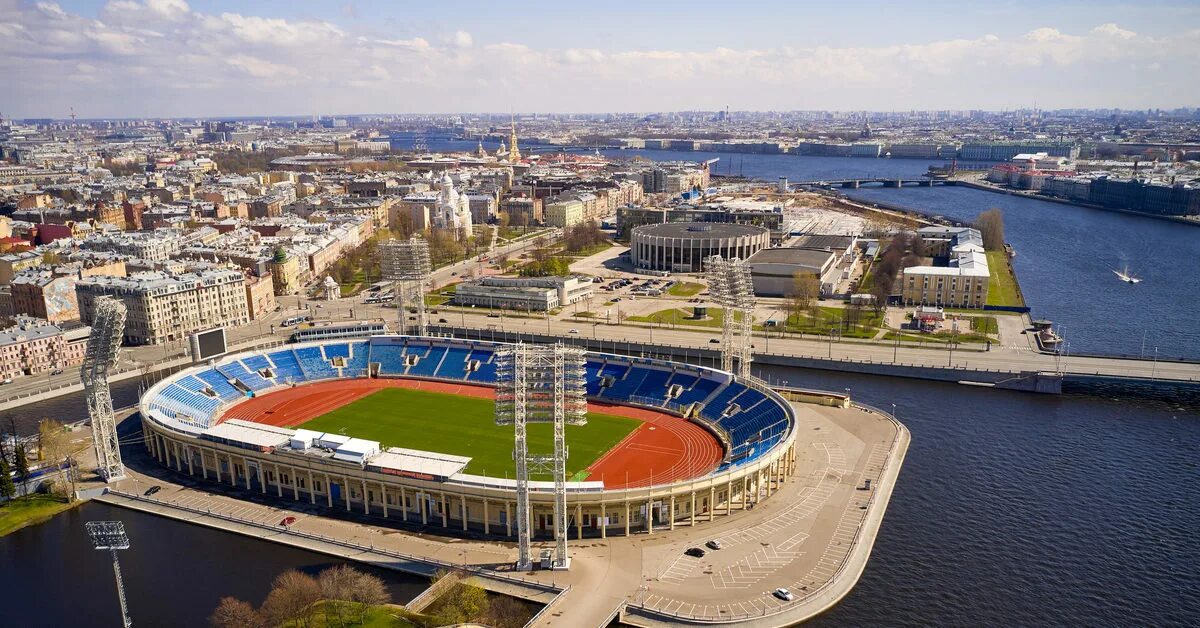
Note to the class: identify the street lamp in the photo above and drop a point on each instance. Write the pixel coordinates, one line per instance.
(110, 535)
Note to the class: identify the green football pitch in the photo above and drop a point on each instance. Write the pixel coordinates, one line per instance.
(465, 426)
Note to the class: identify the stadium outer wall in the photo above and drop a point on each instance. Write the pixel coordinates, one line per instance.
(462, 506)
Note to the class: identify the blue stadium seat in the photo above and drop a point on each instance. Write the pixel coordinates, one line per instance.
(454, 365)
(390, 358)
(356, 365)
(238, 371)
(655, 384)
(314, 365)
(427, 365)
(715, 407)
(287, 367)
(340, 350)
(698, 392)
(217, 382)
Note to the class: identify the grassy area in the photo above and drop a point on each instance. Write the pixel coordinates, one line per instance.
(25, 511)
(676, 316)
(985, 324)
(827, 318)
(1002, 286)
(686, 289)
(465, 426)
(376, 617)
(940, 338)
(587, 251)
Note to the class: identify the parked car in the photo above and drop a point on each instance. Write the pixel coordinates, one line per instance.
(7, 380)
(714, 341)
(573, 331)
(695, 552)
(713, 544)
(783, 594)
(152, 490)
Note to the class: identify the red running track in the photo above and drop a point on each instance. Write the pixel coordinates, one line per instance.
(662, 449)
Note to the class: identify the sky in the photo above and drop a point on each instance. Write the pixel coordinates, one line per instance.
(172, 58)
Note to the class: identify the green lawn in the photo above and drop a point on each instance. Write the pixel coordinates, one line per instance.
(685, 289)
(838, 318)
(24, 511)
(1002, 286)
(985, 324)
(465, 426)
(676, 316)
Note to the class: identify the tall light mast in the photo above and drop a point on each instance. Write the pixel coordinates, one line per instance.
(406, 263)
(110, 535)
(103, 349)
(541, 384)
(732, 288)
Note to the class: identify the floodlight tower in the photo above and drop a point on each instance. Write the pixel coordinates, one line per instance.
(110, 535)
(407, 264)
(541, 384)
(732, 288)
(103, 349)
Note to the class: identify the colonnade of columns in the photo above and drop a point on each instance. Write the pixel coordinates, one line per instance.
(675, 508)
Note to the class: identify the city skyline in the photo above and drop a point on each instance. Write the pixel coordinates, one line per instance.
(166, 58)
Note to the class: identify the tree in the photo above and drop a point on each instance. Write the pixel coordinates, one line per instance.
(805, 290)
(463, 603)
(336, 584)
(991, 226)
(21, 463)
(234, 613)
(367, 591)
(8, 490)
(292, 599)
(506, 612)
(56, 450)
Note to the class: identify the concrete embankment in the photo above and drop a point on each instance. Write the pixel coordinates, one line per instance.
(340, 548)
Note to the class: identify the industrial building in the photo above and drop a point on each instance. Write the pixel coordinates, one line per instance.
(773, 271)
(683, 247)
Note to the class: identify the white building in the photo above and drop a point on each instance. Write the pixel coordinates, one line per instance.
(453, 210)
(523, 293)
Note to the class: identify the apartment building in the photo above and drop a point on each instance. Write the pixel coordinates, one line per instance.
(163, 308)
(34, 346)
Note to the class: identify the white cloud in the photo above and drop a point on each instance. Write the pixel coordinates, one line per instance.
(185, 62)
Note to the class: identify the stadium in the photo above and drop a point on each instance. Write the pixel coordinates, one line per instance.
(402, 427)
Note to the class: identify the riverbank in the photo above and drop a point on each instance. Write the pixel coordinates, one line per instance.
(30, 510)
(989, 187)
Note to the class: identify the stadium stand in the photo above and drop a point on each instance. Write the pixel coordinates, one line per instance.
(749, 420)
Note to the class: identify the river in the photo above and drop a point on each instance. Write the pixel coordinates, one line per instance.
(174, 572)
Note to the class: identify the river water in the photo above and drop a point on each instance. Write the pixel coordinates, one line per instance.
(174, 573)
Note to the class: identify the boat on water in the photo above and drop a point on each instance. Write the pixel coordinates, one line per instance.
(1126, 276)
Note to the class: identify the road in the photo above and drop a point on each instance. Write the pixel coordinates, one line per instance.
(134, 358)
